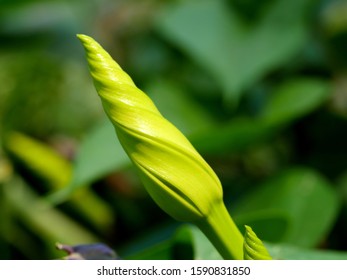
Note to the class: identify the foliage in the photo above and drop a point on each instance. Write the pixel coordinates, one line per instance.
(258, 87)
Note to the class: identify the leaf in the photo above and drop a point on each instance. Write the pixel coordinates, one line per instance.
(273, 224)
(287, 102)
(178, 107)
(308, 200)
(55, 171)
(202, 248)
(295, 98)
(41, 218)
(236, 54)
(41, 159)
(234, 136)
(99, 154)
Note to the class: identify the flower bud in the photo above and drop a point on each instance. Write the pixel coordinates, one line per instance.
(253, 247)
(172, 171)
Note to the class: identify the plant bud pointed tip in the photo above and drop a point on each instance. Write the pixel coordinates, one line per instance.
(82, 37)
(173, 172)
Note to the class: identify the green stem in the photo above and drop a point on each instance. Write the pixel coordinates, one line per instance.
(221, 230)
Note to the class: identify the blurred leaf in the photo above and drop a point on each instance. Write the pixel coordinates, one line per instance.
(234, 136)
(41, 159)
(177, 106)
(236, 54)
(56, 171)
(287, 102)
(308, 199)
(201, 247)
(100, 154)
(295, 98)
(48, 223)
(273, 224)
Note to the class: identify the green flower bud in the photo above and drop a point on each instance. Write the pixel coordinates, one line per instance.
(253, 247)
(172, 171)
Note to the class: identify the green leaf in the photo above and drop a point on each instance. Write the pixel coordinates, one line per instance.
(287, 102)
(234, 136)
(273, 224)
(100, 154)
(295, 98)
(235, 53)
(308, 200)
(55, 171)
(201, 247)
(178, 107)
(44, 220)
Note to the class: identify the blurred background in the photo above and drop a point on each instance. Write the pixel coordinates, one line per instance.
(259, 87)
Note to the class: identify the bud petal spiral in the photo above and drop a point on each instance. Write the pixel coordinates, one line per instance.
(253, 247)
(172, 171)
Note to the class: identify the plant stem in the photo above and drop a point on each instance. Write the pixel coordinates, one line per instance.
(221, 230)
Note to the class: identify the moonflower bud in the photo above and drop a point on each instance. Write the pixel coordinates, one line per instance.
(172, 171)
(174, 174)
(253, 247)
